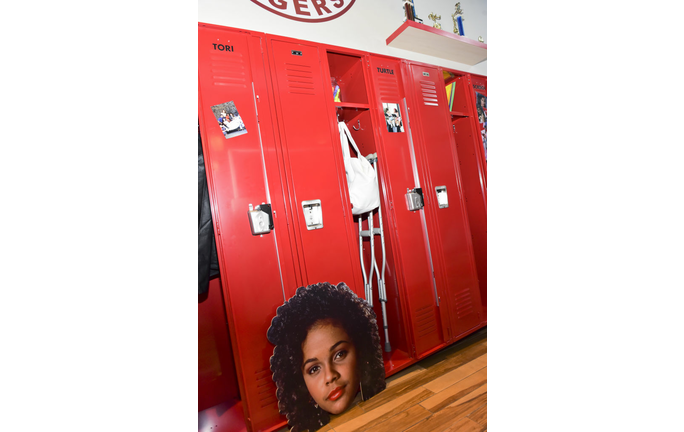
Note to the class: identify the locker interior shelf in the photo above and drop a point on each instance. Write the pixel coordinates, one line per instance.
(351, 105)
(458, 114)
(424, 39)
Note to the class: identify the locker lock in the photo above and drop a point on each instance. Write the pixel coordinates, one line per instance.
(260, 219)
(414, 199)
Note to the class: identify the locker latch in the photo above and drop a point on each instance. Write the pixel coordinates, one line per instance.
(313, 214)
(442, 198)
(260, 219)
(414, 199)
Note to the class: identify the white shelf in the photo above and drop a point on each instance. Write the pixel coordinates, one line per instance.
(424, 39)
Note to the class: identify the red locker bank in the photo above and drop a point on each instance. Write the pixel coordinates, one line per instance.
(440, 285)
(280, 202)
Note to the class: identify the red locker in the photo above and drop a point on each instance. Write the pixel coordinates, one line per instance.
(327, 251)
(448, 227)
(400, 172)
(348, 69)
(243, 170)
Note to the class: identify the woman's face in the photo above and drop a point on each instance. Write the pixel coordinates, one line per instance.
(329, 366)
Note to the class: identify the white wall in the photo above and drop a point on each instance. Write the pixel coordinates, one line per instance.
(365, 26)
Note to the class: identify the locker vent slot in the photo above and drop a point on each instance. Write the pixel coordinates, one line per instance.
(229, 71)
(388, 87)
(464, 303)
(266, 390)
(299, 79)
(429, 91)
(425, 321)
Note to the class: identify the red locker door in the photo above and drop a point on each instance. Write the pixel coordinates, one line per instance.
(449, 230)
(242, 170)
(397, 159)
(318, 197)
(471, 158)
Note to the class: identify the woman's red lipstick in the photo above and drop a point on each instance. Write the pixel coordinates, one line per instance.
(336, 393)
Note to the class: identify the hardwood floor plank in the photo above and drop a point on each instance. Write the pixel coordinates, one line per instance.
(449, 415)
(458, 359)
(456, 375)
(479, 416)
(471, 385)
(350, 414)
(402, 421)
(378, 415)
(479, 337)
(405, 375)
(465, 425)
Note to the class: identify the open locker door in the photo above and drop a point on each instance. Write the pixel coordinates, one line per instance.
(467, 130)
(445, 208)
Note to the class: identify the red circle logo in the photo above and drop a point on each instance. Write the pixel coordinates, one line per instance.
(307, 10)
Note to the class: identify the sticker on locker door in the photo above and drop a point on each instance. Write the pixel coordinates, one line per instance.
(393, 119)
(229, 120)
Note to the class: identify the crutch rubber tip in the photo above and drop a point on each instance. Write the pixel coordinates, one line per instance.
(388, 347)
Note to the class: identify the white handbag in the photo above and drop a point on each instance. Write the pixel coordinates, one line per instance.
(361, 178)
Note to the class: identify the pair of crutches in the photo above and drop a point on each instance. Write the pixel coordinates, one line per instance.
(368, 280)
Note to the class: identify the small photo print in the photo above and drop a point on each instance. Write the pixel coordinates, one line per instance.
(393, 118)
(229, 120)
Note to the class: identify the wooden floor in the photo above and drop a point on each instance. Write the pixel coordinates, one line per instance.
(446, 392)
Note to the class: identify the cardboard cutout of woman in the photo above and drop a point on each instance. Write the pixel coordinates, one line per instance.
(327, 349)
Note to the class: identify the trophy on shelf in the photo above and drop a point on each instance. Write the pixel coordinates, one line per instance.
(410, 11)
(436, 18)
(457, 16)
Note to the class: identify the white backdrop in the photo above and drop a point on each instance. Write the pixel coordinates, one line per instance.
(365, 26)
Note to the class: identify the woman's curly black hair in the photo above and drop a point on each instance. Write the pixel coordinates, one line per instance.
(288, 331)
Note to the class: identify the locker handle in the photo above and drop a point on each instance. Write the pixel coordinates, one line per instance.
(442, 197)
(260, 219)
(313, 214)
(414, 199)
